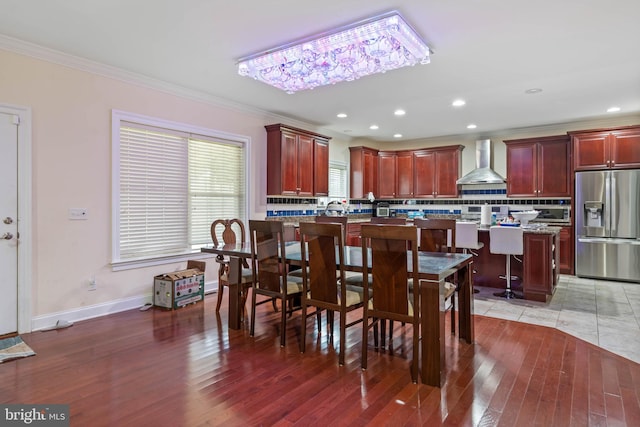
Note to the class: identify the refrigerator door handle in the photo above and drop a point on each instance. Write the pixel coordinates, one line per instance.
(613, 201)
(607, 204)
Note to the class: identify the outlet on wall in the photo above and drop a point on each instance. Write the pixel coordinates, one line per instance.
(92, 284)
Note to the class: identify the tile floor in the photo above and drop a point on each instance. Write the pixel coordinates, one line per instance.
(601, 312)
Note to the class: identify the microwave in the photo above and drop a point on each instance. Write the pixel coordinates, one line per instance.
(382, 209)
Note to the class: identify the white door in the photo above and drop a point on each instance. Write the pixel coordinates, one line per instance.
(8, 223)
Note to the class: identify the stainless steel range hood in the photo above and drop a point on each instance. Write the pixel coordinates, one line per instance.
(482, 174)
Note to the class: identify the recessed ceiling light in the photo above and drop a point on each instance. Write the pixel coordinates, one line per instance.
(399, 112)
(342, 115)
(471, 126)
(458, 103)
(533, 90)
(374, 127)
(613, 109)
(397, 135)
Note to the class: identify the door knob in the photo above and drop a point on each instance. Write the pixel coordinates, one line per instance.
(8, 220)
(7, 236)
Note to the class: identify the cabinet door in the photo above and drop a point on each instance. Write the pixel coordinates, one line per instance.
(521, 166)
(321, 167)
(625, 148)
(387, 175)
(305, 165)
(538, 266)
(289, 163)
(424, 163)
(553, 169)
(404, 176)
(370, 173)
(353, 234)
(591, 151)
(447, 173)
(566, 250)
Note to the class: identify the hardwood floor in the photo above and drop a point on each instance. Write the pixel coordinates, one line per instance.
(185, 368)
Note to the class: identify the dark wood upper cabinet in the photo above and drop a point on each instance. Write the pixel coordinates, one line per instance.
(539, 167)
(387, 172)
(292, 169)
(617, 148)
(436, 171)
(428, 173)
(404, 174)
(363, 172)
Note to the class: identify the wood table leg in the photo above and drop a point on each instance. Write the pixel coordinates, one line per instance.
(235, 297)
(432, 324)
(465, 303)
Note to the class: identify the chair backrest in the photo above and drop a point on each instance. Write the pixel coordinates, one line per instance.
(268, 254)
(229, 228)
(437, 235)
(335, 220)
(388, 220)
(318, 242)
(466, 235)
(506, 240)
(389, 267)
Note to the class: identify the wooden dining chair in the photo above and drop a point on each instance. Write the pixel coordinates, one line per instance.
(322, 246)
(394, 292)
(439, 235)
(228, 230)
(270, 277)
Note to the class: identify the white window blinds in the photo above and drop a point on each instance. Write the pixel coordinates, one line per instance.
(172, 186)
(338, 181)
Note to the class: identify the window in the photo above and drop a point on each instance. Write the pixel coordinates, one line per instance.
(337, 180)
(170, 182)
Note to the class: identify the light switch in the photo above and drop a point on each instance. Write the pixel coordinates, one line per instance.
(78, 213)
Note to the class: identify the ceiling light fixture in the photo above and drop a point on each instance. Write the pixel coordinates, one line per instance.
(375, 45)
(399, 112)
(341, 115)
(397, 135)
(613, 109)
(471, 126)
(458, 103)
(533, 91)
(373, 127)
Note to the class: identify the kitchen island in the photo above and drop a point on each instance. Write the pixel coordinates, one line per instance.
(537, 270)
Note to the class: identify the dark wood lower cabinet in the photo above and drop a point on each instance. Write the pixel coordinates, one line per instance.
(566, 250)
(353, 234)
(540, 265)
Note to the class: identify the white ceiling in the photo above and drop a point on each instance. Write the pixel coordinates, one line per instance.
(582, 53)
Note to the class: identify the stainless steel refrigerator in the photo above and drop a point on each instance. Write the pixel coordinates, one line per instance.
(607, 216)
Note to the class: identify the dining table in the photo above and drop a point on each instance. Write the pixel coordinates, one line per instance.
(434, 268)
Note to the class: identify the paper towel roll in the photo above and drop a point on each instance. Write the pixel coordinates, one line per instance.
(485, 215)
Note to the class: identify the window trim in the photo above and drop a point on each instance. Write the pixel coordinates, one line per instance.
(117, 116)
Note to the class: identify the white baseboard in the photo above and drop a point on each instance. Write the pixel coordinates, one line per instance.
(98, 310)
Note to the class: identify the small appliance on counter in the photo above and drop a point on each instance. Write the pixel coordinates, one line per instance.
(381, 209)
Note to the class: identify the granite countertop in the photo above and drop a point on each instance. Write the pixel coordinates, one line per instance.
(548, 229)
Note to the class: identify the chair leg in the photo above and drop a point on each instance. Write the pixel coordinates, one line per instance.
(283, 323)
(453, 314)
(303, 328)
(343, 338)
(275, 306)
(365, 336)
(220, 292)
(253, 312)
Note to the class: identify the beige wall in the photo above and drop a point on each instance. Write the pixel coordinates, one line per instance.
(71, 137)
(71, 142)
